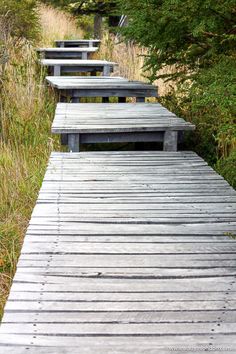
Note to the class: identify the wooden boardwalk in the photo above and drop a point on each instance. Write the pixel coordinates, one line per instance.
(126, 252)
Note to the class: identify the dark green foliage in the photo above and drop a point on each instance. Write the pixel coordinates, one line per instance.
(189, 34)
(198, 39)
(18, 19)
(227, 168)
(209, 102)
(57, 3)
(103, 7)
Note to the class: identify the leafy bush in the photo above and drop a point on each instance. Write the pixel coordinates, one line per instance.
(208, 102)
(227, 168)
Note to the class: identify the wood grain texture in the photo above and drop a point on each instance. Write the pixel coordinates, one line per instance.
(97, 118)
(126, 252)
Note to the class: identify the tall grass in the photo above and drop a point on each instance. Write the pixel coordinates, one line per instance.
(26, 112)
(57, 25)
(130, 58)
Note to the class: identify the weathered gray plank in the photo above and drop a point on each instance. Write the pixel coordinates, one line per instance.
(117, 329)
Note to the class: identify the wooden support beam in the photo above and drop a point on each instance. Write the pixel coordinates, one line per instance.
(73, 142)
(57, 70)
(170, 140)
(84, 55)
(106, 70)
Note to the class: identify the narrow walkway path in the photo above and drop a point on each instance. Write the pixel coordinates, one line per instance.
(126, 252)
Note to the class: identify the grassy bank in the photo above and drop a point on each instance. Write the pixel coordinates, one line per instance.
(26, 112)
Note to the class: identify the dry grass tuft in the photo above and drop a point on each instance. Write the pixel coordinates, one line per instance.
(57, 25)
(130, 58)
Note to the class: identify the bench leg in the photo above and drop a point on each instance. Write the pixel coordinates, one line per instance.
(140, 99)
(170, 140)
(73, 142)
(57, 70)
(106, 70)
(84, 55)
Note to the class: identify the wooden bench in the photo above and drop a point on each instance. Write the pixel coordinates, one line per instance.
(59, 66)
(77, 43)
(109, 123)
(66, 53)
(101, 87)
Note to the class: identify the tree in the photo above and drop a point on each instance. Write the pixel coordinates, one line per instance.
(99, 8)
(189, 34)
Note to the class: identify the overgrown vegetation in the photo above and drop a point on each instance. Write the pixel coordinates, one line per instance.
(18, 19)
(197, 38)
(26, 111)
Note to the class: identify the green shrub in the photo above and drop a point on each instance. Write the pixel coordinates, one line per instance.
(227, 168)
(209, 102)
(19, 19)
